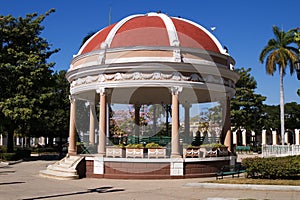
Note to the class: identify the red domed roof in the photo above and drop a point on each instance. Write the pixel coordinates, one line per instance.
(153, 29)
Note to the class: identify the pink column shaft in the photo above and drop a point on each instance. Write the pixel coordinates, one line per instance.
(72, 130)
(102, 124)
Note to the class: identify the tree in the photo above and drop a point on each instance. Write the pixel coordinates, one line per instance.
(270, 117)
(58, 121)
(292, 116)
(25, 75)
(279, 54)
(246, 106)
(297, 41)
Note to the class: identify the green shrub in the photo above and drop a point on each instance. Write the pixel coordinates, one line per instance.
(19, 153)
(273, 168)
(152, 145)
(9, 156)
(23, 152)
(135, 146)
(44, 150)
(216, 145)
(3, 149)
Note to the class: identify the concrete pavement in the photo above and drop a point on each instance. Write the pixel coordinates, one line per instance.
(22, 181)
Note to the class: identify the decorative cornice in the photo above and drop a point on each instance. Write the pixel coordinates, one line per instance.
(134, 76)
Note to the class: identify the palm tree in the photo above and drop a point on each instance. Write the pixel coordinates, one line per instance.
(279, 54)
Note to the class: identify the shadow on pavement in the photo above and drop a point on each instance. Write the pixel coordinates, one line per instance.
(98, 190)
(6, 172)
(11, 183)
(43, 157)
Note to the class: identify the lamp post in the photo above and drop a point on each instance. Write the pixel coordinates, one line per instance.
(297, 68)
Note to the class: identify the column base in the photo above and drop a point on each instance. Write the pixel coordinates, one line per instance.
(72, 152)
(101, 155)
(176, 156)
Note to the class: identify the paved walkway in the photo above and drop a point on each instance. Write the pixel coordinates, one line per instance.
(21, 181)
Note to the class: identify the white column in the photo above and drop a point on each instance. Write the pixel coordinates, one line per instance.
(1, 139)
(264, 137)
(297, 135)
(42, 141)
(244, 138)
(274, 137)
(102, 123)
(175, 122)
(234, 138)
(286, 137)
(253, 134)
(18, 141)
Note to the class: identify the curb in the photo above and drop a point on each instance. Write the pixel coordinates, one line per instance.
(11, 162)
(244, 186)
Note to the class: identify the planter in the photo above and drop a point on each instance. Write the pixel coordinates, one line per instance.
(115, 152)
(211, 151)
(134, 152)
(193, 152)
(223, 151)
(157, 152)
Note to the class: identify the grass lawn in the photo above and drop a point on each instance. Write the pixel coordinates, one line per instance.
(230, 180)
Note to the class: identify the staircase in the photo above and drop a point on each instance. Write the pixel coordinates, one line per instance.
(64, 169)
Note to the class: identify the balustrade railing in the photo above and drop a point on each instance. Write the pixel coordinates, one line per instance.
(280, 150)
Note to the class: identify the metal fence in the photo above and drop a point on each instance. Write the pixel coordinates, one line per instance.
(280, 150)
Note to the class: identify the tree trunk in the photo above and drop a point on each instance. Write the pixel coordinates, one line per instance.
(282, 106)
(10, 141)
(167, 120)
(136, 130)
(154, 119)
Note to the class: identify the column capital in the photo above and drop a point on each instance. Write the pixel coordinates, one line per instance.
(101, 90)
(176, 90)
(186, 105)
(72, 98)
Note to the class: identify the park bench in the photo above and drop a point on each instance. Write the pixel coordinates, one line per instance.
(233, 170)
(242, 149)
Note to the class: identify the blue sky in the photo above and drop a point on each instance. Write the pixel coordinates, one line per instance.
(243, 26)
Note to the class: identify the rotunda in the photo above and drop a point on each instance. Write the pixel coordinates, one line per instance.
(149, 59)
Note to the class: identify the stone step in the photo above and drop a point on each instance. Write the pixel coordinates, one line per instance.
(65, 165)
(70, 160)
(61, 169)
(58, 175)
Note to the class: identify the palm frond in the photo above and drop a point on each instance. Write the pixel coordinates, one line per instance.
(271, 64)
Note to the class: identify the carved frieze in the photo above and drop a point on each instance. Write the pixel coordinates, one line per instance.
(175, 76)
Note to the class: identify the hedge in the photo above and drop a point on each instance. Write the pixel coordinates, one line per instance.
(273, 168)
(8, 156)
(18, 154)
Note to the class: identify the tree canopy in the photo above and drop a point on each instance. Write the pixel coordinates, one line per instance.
(246, 106)
(25, 74)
